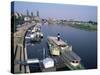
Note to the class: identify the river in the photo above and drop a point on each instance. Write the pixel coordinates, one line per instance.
(84, 44)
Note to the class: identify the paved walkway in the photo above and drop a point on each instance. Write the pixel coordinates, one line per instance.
(20, 54)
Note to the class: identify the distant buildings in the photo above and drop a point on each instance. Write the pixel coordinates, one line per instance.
(31, 17)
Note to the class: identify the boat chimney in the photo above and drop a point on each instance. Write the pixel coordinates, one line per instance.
(58, 36)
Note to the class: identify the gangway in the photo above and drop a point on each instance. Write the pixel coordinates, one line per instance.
(32, 61)
(29, 61)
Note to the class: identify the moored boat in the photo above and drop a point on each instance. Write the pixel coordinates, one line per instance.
(63, 50)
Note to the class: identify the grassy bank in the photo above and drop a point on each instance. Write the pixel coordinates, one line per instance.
(85, 26)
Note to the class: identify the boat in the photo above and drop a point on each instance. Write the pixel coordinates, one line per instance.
(58, 47)
(36, 29)
(36, 36)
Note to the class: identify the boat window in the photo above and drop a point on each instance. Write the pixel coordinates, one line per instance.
(50, 44)
(62, 45)
(62, 48)
(76, 61)
(73, 62)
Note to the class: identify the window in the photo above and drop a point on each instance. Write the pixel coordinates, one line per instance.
(73, 62)
(77, 61)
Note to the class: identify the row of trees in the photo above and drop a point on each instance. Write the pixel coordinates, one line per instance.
(92, 22)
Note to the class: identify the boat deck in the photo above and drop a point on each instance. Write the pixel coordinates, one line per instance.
(59, 43)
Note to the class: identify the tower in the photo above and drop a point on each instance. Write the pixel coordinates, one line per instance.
(32, 14)
(27, 13)
(38, 13)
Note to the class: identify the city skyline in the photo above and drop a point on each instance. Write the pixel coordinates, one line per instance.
(58, 11)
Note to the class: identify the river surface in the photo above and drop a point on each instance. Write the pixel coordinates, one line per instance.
(84, 44)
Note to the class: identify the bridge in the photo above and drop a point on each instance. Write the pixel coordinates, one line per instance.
(28, 61)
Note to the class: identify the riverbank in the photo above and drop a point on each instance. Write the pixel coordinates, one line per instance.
(20, 53)
(84, 26)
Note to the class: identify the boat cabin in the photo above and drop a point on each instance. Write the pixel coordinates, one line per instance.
(56, 45)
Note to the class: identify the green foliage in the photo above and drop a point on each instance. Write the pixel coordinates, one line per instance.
(85, 26)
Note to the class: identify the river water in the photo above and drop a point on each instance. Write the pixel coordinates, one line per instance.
(84, 44)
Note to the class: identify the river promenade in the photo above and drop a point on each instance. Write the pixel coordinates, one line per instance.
(20, 52)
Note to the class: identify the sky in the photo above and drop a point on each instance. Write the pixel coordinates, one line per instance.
(58, 11)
